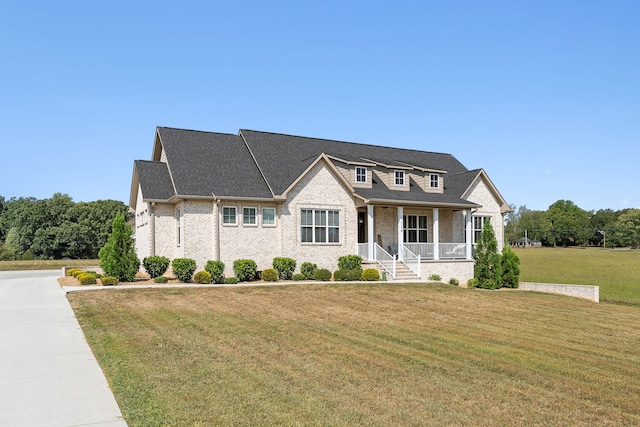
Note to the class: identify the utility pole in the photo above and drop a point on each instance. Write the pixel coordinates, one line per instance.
(526, 239)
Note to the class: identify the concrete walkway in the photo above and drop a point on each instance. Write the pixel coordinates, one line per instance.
(48, 374)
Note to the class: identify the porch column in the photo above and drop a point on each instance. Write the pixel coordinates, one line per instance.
(467, 215)
(436, 234)
(400, 231)
(370, 235)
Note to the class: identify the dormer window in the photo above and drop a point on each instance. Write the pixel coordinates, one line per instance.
(434, 180)
(361, 174)
(399, 177)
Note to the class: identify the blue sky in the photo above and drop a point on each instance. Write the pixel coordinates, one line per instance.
(544, 95)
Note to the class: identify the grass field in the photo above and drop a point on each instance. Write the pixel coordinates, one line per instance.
(46, 264)
(616, 272)
(379, 355)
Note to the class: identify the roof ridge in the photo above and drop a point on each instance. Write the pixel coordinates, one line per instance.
(196, 130)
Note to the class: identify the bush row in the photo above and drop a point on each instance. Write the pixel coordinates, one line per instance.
(91, 277)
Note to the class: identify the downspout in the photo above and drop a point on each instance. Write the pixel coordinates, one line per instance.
(216, 213)
(153, 228)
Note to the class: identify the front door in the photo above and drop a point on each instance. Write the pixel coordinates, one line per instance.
(362, 227)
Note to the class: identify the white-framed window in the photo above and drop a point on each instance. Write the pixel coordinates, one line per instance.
(319, 226)
(399, 177)
(268, 216)
(229, 216)
(249, 216)
(434, 180)
(178, 227)
(478, 225)
(415, 228)
(361, 174)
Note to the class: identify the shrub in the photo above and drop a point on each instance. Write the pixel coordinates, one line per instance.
(108, 281)
(183, 268)
(270, 275)
(285, 267)
(73, 271)
(216, 269)
(78, 272)
(87, 279)
(454, 282)
(298, 277)
(156, 265)
(348, 275)
(488, 268)
(322, 274)
(472, 283)
(203, 277)
(370, 274)
(245, 269)
(510, 268)
(308, 269)
(118, 256)
(435, 277)
(349, 262)
(231, 280)
(161, 279)
(28, 255)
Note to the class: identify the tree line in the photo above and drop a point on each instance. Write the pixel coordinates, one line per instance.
(55, 228)
(566, 224)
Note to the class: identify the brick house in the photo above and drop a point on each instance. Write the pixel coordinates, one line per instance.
(260, 195)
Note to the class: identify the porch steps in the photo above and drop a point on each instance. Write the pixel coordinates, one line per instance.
(404, 273)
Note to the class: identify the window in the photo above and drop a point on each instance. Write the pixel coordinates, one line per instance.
(399, 177)
(249, 216)
(415, 228)
(178, 228)
(319, 226)
(361, 174)
(434, 180)
(478, 226)
(268, 216)
(229, 215)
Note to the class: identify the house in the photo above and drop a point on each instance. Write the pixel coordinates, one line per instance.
(259, 195)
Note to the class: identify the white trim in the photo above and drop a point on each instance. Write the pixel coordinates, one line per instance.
(255, 217)
(395, 177)
(229, 224)
(275, 218)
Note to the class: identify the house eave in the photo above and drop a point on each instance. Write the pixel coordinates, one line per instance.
(421, 203)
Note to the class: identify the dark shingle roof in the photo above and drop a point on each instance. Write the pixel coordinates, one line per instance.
(154, 180)
(457, 184)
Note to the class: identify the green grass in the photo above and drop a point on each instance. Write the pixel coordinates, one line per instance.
(375, 355)
(46, 264)
(616, 272)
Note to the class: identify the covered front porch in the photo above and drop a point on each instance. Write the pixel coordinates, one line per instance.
(418, 237)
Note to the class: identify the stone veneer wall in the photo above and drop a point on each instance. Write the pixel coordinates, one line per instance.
(458, 269)
(481, 195)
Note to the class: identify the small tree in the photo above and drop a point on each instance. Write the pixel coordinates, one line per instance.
(488, 268)
(118, 257)
(510, 268)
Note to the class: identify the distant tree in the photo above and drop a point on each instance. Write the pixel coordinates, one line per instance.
(5, 253)
(488, 267)
(628, 228)
(603, 222)
(118, 257)
(570, 224)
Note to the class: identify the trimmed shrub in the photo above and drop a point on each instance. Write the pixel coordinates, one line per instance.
(245, 269)
(435, 277)
(87, 279)
(270, 275)
(183, 269)
(347, 275)
(454, 282)
(510, 268)
(161, 279)
(72, 271)
(203, 277)
(370, 274)
(155, 265)
(472, 283)
(322, 274)
(308, 269)
(298, 277)
(285, 267)
(118, 256)
(77, 273)
(216, 269)
(230, 280)
(108, 281)
(349, 262)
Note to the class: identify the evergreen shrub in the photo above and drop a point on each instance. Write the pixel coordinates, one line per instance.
(454, 282)
(472, 283)
(488, 267)
(349, 262)
(245, 269)
(347, 275)
(72, 271)
(118, 256)
(299, 277)
(510, 268)
(308, 269)
(270, 275)
(435, 277)
(203, 277)
(156, 265)
(87, 279)
(285, 267)
(108, 281)
(230, 280)
(160, 279)
(183, 269)
(371, 274)
(216, 269)
(322, 274)
(28, 255)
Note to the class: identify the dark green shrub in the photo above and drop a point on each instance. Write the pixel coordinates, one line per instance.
(472, 283)
(347, 275)
(28, 255)
(73, 271)
(87, 279)
(308, 269)
(285, 267)
(435, 277)
(161, 279)
(510, 268)
(322, 274)
(156, 265)
(245, 269)
(488, 268)
(118, 256)
(108, 281)
(349, 262)
(230, 280)
(183, 269)
(270, 275)
(216, 269)
(454, 282)
(203, 277)
(299, 277)
(371, 274)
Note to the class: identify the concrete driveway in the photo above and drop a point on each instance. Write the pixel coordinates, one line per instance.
(48, 374)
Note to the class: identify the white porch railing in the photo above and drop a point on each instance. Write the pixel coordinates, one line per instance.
(423, 250)
(363, 250)
(410, 259)
(386, 260)
(453, 250)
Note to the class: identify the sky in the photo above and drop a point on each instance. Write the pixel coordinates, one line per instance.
(543, 95)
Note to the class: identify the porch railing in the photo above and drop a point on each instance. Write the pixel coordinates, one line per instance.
(363, 250)
(423, 250)
(386, 260)
(453, 250)
(410, 259)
